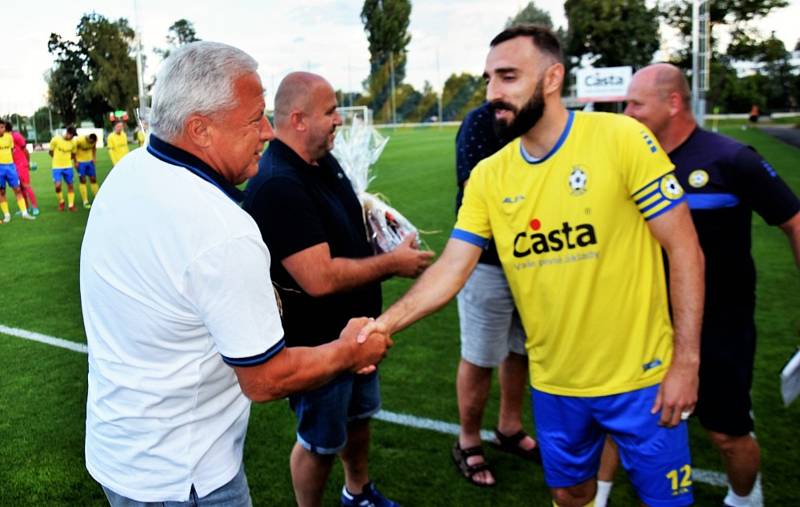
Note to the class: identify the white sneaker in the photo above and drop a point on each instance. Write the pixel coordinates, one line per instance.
(28, 217)
(7, 219)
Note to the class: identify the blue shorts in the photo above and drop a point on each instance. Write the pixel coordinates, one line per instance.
(323, 413)
(8, 174)
(86, 169)
(65, 173)
(571, 431)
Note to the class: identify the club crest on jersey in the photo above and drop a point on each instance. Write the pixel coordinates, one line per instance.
(698, 178)
(578, 180)
(670, 188)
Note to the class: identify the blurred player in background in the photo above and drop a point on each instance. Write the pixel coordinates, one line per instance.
(62, 149)
(8, 175)
(117, 143)
(86, 156)
(22, 162)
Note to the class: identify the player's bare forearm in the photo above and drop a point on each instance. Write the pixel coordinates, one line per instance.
(319, 274)
(677, 393)
(792, 230)
(438, 285)
(676, 233)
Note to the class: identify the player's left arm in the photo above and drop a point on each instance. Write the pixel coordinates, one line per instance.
(760, 186)
(791, 228)
(675, 231)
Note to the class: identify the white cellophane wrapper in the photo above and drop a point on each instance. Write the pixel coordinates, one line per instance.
(357, 147)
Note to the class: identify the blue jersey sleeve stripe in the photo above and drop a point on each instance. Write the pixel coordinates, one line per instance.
(257, 359)
(655, 208)
(671, 205)
(639, 200)
(712, 201)
(656, 182)
(647, 189)
(650, 206)
(469, 237)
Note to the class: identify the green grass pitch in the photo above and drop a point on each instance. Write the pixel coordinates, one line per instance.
(43, 388)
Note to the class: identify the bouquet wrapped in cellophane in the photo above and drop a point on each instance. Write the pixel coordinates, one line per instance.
(358, 146)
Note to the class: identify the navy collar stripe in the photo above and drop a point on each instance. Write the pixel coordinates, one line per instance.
(563, 137)
(173, 155)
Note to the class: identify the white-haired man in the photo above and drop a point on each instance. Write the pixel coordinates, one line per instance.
(182, 328)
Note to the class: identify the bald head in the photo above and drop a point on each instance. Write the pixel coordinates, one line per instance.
(659, 97)
(666, 79)
(296, 92)
(305, 115)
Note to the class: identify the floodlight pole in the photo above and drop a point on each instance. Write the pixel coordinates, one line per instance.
(700, 58)
(439, 78)
(391, 70)
(139, 65)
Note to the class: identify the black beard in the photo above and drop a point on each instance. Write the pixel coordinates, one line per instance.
(524, 119)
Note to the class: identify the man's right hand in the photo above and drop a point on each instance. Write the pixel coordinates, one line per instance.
(410, 260)
(368, 352)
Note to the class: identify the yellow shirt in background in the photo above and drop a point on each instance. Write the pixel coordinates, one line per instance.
(62, 152)
(6, 148)
(117, 146)
(84, 149)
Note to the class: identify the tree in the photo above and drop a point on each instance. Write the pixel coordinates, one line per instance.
(532, 15)
(428, 105)
(386, 23)
(179, 33)
(67, 80)
(462, 92)
(727, 91)
(96, 74)
(612, 32)
(735, 13)
(41, 123)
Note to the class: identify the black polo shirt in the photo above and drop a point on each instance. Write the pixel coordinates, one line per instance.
(475, 141)
(297, 205)
(725, 181)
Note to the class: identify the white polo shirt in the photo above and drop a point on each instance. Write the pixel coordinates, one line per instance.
(174, 276)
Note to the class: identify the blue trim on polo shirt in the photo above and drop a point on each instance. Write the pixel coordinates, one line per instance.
(469, 237)
(563, 137)
(712, 201)
(257, 359)
(173, 155)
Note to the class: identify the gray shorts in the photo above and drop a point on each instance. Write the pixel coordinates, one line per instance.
(490, 324)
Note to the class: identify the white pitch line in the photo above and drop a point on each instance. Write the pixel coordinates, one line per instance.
(42, 338)
(412, 421)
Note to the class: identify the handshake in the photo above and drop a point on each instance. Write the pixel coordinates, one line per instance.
(366, 349)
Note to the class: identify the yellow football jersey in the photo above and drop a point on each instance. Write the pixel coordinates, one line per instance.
(6, 148)
(117, 146)
(62, 152)
(586, 273)
(84, 149)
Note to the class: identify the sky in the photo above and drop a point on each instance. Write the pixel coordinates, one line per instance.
(321, 36)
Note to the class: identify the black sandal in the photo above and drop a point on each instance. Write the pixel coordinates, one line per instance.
(468, 471)
(510, 444)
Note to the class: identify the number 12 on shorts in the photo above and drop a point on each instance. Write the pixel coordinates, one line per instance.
(681, 479)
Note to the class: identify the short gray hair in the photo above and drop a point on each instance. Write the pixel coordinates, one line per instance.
(196, 79)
